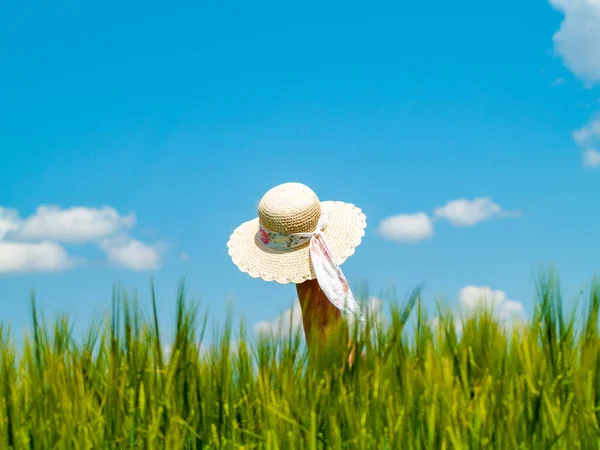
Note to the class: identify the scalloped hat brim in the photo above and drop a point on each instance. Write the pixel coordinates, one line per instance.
(345, 229)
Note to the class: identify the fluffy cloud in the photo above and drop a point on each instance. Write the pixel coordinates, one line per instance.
(9, 221)
(289, 318)
(73, 225)
(460, 212)
(591, 158)
(576, 41)
(466, 213)
(129, 253)
(32, 244)
(589, 133)
(407, 227)
(33, 257)
(588, 139)
(473, 297)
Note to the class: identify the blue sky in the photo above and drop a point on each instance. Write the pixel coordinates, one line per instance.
(164, 125)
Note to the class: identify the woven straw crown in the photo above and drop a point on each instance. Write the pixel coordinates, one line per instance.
(289, 208)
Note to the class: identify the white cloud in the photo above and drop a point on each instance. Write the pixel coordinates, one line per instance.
(9, 221)
(577, 41)
(185, 257)
(407, 227)
(460, 212)
(33, 257)
(290, 317)
(470, 298)
(589, 133)
(559, 82)
(73, 225)
(466, 213)
(473, 297)
(591, 158)
(38, 235)
(588, 137)
(129, 253)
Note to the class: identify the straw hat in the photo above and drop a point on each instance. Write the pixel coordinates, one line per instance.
(287, 209)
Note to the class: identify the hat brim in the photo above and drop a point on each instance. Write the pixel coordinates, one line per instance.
(344, 231)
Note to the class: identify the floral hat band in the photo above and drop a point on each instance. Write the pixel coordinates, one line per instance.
(282, 241)
(329, 275)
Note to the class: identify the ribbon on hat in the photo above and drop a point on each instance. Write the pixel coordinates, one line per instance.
(330, 277)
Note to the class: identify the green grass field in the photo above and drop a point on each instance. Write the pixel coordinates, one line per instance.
(418, 386)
